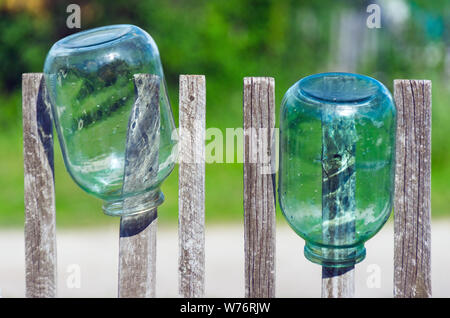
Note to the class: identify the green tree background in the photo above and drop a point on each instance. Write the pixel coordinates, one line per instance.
(226, 41)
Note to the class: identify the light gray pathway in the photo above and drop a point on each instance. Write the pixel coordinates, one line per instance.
(88, 259)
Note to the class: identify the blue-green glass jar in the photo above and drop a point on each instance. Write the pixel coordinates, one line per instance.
(337, 158)
(89, 77)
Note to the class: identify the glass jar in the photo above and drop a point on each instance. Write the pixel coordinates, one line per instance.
(337, 161)
(89, 77)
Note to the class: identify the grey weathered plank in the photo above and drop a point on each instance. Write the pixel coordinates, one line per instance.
(39, 183)
(412, 202)
(259, 186)
(137, 250)
(338, 282)
(338, 198)
(191, 200)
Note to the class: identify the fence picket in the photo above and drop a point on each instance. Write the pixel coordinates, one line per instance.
(191, 198)
(137, 243)
(412, 202)
(259, 186)
(39, 189)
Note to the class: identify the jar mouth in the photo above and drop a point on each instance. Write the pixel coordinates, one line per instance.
(96, 36)
(339, 87)
(138, 204)
(336, 257)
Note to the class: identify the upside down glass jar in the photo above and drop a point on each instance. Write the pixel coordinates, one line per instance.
(337, 161)
(89, 79)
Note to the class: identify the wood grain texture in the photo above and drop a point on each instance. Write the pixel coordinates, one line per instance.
(338, 282)
(191, 200)
(39, 189)
(259, 186)
(338, 198)
(142, 145)
(412, 202)
(137, 260)
(137, 243)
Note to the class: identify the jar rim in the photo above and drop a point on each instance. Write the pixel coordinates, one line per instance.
(339, 88)
(95, 37)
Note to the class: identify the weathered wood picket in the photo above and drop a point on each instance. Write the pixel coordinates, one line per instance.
(259, 186)
(191, 202)
(39, 184)
(412, 202)
(137, 243)
(137, 255)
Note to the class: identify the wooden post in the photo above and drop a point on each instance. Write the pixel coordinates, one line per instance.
(137, 251)
(338, 198)
(338, 282)
(412, 203)
(39, 183)
(137, 260)
(259, 186)
(191, 200)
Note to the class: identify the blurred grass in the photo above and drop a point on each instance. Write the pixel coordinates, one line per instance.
(224, 182)
(225, 40)
(76, 208)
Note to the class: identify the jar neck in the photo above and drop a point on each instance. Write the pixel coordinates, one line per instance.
(137, 204)
(332, 256)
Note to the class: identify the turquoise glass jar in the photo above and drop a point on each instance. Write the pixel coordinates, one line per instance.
(337, 161)
(89, 78)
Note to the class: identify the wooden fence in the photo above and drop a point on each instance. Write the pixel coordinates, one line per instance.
(412, 208)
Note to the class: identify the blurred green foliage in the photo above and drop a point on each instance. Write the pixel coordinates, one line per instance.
(226, 41)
